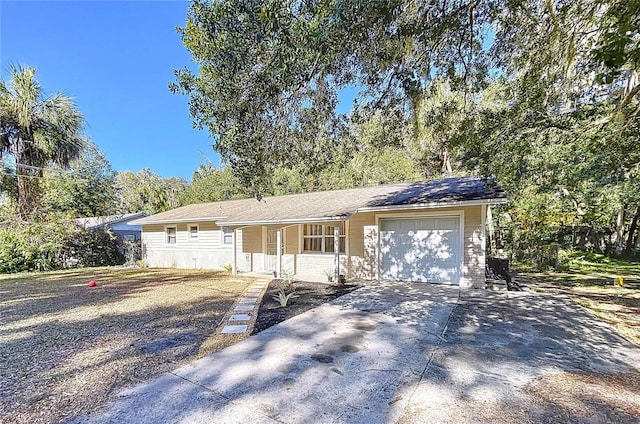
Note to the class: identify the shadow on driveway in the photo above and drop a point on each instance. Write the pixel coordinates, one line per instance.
(501, 346)
(387, 353)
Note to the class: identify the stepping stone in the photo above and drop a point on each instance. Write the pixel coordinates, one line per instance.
(241, 308)
(256, 290)
(234, 329)
(240, 317)
(252, 295)
(248, 300)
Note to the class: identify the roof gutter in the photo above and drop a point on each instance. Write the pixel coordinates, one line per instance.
(173, 221)
(283, 221)
(431, 205)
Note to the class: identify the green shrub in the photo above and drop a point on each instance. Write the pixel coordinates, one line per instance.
(95, 248)
(51, 242)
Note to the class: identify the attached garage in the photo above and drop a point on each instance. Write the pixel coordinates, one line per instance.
(423, 249)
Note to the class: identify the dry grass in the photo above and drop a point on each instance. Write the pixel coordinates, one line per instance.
(65, 347)
(575, 397)
(618, 306)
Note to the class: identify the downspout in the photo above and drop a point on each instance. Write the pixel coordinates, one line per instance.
(336, 254)
(279, 252)
(234, 254)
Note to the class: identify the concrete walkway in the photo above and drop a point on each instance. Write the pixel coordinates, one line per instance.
(242, 315)
(381, 354)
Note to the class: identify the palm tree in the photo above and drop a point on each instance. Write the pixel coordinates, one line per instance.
(36, 130)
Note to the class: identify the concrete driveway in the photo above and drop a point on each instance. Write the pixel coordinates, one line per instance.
(385, 353)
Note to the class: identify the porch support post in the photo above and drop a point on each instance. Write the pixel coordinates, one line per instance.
(233, 252)
(279, 251)
(336, 254)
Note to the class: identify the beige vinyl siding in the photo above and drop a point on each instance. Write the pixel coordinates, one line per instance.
(362, 250)
(251, 248)
(292, 239)
(209, 236)
(361, 260)
(205, 252)
(252, 239)
(474, 259)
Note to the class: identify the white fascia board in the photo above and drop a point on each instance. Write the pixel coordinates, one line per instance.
(173, 221)
(283, 221)
(433, 205)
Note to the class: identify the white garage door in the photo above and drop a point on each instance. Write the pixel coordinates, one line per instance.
(421, 249)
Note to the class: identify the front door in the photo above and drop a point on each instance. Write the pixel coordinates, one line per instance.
(271, 250)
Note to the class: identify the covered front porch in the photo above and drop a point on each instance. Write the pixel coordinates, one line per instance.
(316, 251)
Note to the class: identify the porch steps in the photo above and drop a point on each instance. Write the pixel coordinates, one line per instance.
(242, 316)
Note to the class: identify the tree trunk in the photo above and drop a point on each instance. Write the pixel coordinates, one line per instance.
(27, 185)
(619, 239)
(446, 161)
(27, 195)
(632, 230)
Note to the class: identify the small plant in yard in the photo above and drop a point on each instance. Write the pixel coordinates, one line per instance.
(329, 276)
(287, 281)
(228, 268)
(286, 289)
(283, 297)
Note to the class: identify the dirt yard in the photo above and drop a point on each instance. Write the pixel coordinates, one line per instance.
(65, 347)
(592, 397)
(595, 289)
(307, 295)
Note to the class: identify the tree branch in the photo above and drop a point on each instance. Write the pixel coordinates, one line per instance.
(635, 90)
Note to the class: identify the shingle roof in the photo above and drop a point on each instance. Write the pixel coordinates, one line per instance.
(335, 204)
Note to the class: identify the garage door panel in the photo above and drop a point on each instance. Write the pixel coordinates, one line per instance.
(421, 249)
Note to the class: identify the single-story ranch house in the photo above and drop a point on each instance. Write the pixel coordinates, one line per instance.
(426, 231)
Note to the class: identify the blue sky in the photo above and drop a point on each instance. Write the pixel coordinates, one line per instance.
(115, 58)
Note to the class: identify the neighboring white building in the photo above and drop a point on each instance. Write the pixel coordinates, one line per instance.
(118, 224)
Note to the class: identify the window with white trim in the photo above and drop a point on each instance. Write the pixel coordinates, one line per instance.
(227, 236)
(170, 235)
(319, 238)
(193, 232)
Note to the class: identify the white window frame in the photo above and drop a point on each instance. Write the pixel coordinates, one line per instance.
(224, 232)
(197, 227)
(324, 236)
(166, 235)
